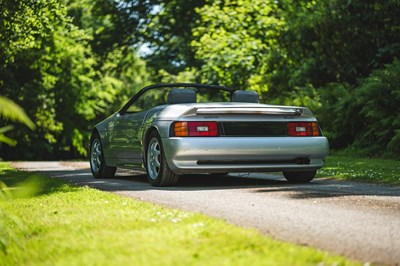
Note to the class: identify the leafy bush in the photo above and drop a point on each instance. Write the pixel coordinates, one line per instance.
(365, 116)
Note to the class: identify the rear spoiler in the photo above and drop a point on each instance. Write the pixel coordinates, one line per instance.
(250, 110)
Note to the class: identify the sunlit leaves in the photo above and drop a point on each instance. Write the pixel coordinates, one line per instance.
(67, 79)
(168, 34)
(23, 24)
(233, 40)
(11, 111)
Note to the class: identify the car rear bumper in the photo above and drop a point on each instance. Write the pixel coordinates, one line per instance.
(239, 154)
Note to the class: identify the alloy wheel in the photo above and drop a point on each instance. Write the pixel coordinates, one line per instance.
(95, 156)
(153, 158)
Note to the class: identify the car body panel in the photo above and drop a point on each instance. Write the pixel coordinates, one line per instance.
(188, 155)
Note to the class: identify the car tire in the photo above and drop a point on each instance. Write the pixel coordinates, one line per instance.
(158, 172)
(300, 177)
(97, 163)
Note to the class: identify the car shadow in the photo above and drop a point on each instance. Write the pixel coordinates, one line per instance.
(255, 182)
(207, 181)
(272, 183)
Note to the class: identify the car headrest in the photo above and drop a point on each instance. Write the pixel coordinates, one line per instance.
(181, 96)
(245, 96)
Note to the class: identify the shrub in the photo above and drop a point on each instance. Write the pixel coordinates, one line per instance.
(365, 116)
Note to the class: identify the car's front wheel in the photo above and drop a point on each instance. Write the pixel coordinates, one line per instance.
(158, 172)
(97, 163)
(300, 177)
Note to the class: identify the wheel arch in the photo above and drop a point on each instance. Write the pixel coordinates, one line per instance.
(95, 131)
(146, 141)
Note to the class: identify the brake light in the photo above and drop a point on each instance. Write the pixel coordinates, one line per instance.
(303, 129)
(195, 129)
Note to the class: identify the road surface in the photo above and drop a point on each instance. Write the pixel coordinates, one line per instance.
(357, 220)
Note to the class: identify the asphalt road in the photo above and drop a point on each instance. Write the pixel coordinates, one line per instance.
(357, 220)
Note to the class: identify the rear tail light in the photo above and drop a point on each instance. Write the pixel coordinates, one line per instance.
(303, 129)
(195, 129)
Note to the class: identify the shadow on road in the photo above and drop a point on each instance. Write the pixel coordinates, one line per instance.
(256, 183)
(267, 183)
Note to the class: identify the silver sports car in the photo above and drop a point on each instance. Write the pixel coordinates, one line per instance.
(176, 129)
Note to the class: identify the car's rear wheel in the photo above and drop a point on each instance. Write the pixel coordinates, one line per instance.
(300, 177)
(158, 172)
(97, 163)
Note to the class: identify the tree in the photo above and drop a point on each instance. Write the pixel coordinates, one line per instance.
(22, 28)
(364, 116)
(169, 35)
(336, 41)
(233, 40)
(111, 24)
(320, 54)
(61, 81)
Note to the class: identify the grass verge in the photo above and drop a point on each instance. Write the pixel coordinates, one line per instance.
(45, 221)
(361, 169)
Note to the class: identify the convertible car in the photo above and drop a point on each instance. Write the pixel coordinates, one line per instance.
(177, 129)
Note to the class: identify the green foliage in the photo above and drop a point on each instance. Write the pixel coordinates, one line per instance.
(63, 79)
(378, 97)
(365, 115)
(337, 116)
(168, 35)
(12, 111)
(20, 28)
(111, 24)
(335, 41)
(234, 39)
(23, 24)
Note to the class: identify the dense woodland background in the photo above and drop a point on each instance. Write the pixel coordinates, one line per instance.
(71, 63)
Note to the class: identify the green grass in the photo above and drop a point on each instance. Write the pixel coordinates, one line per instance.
(362, 169)
(47, 222)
